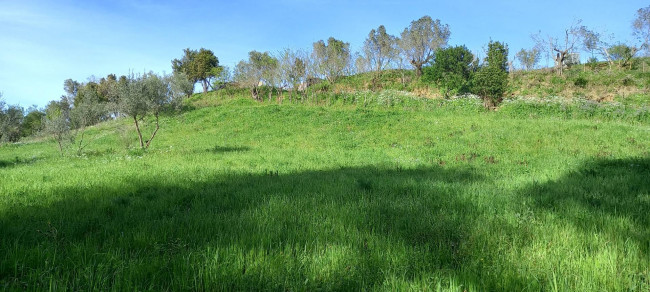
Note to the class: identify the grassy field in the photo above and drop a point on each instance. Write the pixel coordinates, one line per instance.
(387, 195)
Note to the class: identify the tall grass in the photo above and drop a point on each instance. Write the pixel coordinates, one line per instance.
(392, 193)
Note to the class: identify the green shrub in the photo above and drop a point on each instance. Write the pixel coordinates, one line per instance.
(451, 70)
(491, 80)
(581, 82)
(627, 81)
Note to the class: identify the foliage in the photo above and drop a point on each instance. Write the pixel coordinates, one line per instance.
(11, 118)
(451, 70)
(58, 122)
(33, 122)
(86, 112)
(331, 59)
(421, 39)
(252, 196)
(491, 80)
(143, 95)
(528, 58)
(180, 87)
(581, 82)
(641, 28)
(380, 48)
(199, 66)
(260, 68)
(622, 53)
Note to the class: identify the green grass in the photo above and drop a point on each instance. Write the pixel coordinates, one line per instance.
(410, 194)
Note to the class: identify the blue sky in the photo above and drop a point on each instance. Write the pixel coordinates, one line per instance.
(43, 43)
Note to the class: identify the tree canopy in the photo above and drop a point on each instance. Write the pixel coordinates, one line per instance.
(199, 66)
(420, 40)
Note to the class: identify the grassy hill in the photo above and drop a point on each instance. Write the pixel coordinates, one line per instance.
(338, 191)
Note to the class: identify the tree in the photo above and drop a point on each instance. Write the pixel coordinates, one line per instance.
(380, 48)
(2, 115)
(180, 87)
(641, 28)
(57, 121)
(291, 69)
(257, 70)
(223, 78)
(528, 58)
(33, 121)
(199, 66)
(420, 40)
(87, 111)
(71, 88)
(331, 59)
(361, 63)
(561, 49)
(11, 119)
(451, 70)
(622, 53)
(143, 95)
(491, 80)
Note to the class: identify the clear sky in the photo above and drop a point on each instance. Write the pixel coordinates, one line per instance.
(43, 43)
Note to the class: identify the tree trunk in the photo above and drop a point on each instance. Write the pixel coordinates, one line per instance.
(254, 93)
(137, 128)
(418, 68)
(205, 85)
(58, 140)
(154, 132)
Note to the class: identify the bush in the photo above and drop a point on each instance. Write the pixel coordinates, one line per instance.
(627, 81)
(451, 70)
(491, 80)
(581, 82)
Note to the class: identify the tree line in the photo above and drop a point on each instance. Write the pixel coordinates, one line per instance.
(422, 47)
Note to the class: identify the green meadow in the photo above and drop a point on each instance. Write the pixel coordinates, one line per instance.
(364, 191)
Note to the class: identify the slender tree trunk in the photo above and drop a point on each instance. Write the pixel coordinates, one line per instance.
(58, 140)
(154, 132)
(81, 140)
(205, 85)
(137, 128)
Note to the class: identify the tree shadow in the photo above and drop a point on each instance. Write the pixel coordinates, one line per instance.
(17, 161)
(339, 229)
(343, 229)
(605, 196)
(225, 149)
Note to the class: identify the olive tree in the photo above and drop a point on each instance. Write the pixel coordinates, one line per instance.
(142, 96)
(291, 69)
(58, 122)
(641, 28)
(86, 112)
(560, 49)
(331, 59)
(258, 69)
(623, 54)
(528, 58)
(380, 48)
(180, 87)
(421, 39)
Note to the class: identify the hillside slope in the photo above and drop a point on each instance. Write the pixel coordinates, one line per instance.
(390, 195)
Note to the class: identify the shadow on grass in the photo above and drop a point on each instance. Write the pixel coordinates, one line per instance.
(225, 149)
(610, 197)
(16, 162)
(343, 229)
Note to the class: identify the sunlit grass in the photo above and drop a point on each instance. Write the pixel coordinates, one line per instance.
(300, 197)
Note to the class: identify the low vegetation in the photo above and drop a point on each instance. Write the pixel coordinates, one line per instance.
(366, 193)
(421, 167)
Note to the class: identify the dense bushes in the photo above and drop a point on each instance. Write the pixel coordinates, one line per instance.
(451, 71)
